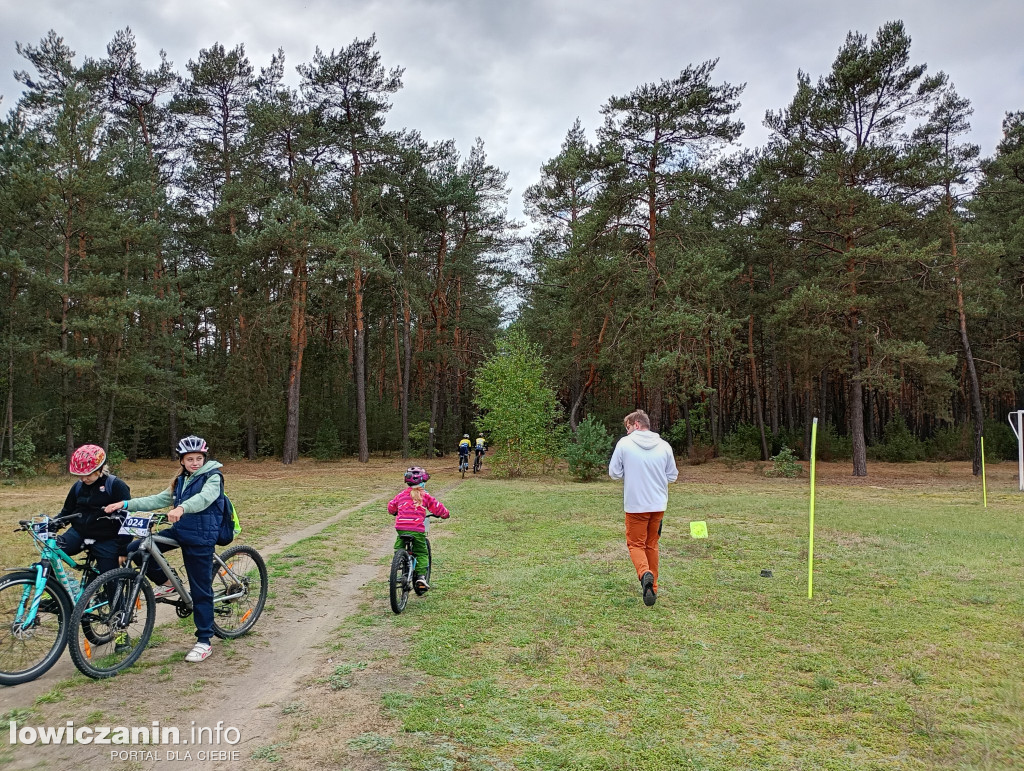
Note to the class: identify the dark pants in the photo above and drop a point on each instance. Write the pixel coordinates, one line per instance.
(72, 542)
(199, 566)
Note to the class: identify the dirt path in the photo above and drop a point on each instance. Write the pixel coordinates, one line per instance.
(26, 693)
(246, 685)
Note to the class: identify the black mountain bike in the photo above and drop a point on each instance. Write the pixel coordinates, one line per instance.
(463, 464)
(403, 568)
(478, 461)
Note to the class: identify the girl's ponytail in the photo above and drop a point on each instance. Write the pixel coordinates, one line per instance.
(417, 495)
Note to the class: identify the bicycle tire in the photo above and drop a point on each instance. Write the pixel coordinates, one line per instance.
(476, 464)
(398, 581)
(234, 618)
(126, 630)
(27, 654)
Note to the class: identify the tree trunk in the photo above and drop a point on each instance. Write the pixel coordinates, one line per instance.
(976, 408)
(406, 372)
(758, 412)
(860, 457)
(290, 453)
(360, 354)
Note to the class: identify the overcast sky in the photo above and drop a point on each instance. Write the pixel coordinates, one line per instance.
(517, 73)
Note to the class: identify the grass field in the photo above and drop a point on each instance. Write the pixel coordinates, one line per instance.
(534, 650)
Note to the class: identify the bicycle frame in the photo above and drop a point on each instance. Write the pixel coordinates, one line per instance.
(148, 551)
(52, 560)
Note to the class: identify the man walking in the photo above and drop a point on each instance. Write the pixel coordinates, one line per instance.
(646, 463)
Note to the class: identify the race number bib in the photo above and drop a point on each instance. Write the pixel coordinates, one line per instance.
(136, 524)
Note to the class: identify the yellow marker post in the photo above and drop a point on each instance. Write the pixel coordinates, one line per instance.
(698, 530)
(810, 544)
(984, 485)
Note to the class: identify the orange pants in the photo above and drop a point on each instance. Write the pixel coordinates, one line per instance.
(642, 542)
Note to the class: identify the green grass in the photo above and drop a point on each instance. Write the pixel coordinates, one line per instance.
(539, 653)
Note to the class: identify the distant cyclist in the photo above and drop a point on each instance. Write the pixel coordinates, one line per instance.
(464, 445)
(479, 449)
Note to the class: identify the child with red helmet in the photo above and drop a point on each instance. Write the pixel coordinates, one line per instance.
(95, 488)
(410, 508)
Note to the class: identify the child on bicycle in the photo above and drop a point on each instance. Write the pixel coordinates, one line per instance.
(410, 509)
(196, 515)
(95, 489)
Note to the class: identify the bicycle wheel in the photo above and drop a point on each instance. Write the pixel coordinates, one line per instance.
(399, 581)
(476, 464)
(26, 652)
(244, 573)
(123, 627)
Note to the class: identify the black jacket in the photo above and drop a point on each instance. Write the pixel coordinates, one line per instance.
(89, 500)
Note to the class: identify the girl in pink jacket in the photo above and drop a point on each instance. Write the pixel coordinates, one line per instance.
(410, 508)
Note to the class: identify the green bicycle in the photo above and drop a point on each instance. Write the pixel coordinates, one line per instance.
(119, 608)
(36, 603)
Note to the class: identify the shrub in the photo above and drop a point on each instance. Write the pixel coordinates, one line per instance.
(588, 452)
(1000, 443)
(831, 446)
(743, 443)
(115, 458)
(898, 445)
(327, 443)
(23, 463)
(951, 443)
(784, 464)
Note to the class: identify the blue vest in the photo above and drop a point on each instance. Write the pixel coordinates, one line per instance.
(201, 528)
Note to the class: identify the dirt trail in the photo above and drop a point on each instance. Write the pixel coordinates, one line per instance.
(25, 694)
(247, 690)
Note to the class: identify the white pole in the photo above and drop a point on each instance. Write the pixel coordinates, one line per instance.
(1018, 431)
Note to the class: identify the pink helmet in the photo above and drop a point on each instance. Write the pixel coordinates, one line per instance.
(86, 459)
(416, 476)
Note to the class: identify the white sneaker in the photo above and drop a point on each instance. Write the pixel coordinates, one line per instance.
(199, 653)
(162, 590)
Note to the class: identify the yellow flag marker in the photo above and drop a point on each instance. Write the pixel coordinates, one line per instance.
(810, 537)
(698, 530)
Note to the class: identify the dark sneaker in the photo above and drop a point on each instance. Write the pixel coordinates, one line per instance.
(647, 582)
(123, 643)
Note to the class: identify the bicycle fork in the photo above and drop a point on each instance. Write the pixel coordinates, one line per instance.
(25, 618)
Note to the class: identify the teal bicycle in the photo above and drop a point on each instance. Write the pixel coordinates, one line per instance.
(36, 603)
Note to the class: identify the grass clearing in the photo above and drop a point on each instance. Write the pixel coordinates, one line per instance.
(535, 650)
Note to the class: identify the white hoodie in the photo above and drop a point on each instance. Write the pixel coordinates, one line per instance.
(647, 463)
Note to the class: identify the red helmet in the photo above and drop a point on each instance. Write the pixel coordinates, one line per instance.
(87, 459)
(416, 476)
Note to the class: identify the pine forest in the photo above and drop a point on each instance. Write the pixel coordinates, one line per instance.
(250, 251)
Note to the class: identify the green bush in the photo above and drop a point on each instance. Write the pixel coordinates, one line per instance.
(327, 443)
(743, 443)
(899, 445)
(951, 443)
(1000, 443)
(588, 452)
(784, 464)
(831, 446)
(115, 459)
(23, 463)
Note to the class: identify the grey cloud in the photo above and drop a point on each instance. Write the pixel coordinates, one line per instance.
(518, 74)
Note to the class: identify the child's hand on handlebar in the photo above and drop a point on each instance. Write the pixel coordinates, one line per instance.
(111, 508)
